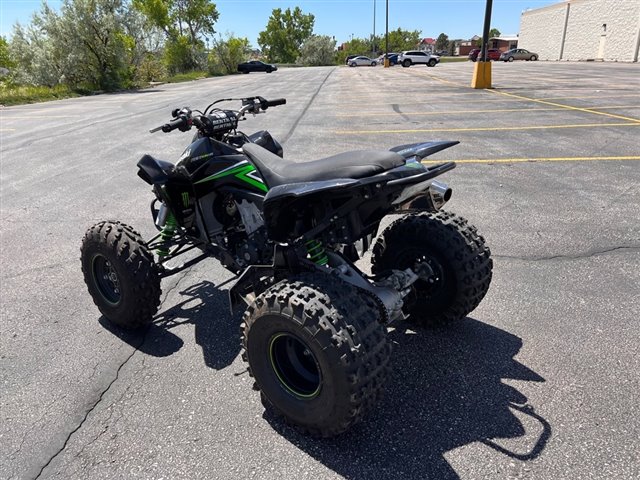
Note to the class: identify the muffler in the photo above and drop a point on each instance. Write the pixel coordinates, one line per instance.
(440, 193)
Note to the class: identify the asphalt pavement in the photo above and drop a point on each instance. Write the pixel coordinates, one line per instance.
(541, 381)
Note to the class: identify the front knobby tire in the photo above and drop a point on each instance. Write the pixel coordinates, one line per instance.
(457, 254)
(317, 351)
(121, 274)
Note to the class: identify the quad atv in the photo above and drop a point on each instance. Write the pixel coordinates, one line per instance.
(314, 329)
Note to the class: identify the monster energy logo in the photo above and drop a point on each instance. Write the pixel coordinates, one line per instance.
(185, 198)
(242, 171)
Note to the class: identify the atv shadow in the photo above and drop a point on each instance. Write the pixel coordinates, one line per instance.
(206, 307)
(445, 391)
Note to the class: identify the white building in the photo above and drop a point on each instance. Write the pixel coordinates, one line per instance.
(583, 30)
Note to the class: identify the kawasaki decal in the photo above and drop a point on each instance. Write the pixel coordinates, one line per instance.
(242, 171)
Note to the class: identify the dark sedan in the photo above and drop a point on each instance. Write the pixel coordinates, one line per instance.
(256, 66)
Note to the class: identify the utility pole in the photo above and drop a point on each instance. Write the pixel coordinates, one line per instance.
(386, 40)
(374, 28)
(482, 69)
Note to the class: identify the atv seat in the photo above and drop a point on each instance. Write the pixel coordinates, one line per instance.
(363, 163)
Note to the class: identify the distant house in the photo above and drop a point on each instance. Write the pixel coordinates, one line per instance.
(463, 48)
(427, 45)
(504, 42)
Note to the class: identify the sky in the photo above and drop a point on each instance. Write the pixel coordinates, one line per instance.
(340, 18)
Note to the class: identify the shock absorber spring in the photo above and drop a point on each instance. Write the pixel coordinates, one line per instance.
(168, 230)
(316, 252)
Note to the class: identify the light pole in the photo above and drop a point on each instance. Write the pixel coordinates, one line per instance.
(386, 39)
(482, 70)
(374, 29)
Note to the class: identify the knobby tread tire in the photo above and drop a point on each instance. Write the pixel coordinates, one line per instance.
(337, 323)
(457, 243)
(137, 272)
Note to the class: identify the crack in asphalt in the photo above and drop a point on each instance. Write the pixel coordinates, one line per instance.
(304, 111)
(589, 254)
(88, 412)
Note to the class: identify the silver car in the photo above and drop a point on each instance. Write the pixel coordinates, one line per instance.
(518, 54)
(359, 61)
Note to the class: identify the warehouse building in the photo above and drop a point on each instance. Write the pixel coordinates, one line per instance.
(606, 30)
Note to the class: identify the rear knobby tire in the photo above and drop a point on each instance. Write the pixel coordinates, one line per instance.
(457, 255)
(121, 274)
(317, 351)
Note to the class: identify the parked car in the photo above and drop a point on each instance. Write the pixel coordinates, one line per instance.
(416, 57)
(362, 60)
(518, 54)
(393, 58)
(492, 53)
(256, 66)
(349, 58)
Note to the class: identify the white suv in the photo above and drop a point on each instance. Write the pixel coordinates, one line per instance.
(414, 57)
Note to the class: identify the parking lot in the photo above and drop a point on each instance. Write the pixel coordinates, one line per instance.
(539, 382)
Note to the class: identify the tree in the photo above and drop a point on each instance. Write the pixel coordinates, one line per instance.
(357, 46)
(227, 53)
(494, 32)
(186, 24)
(400, 40)
(83, 44)
(317, 50)
(5, 57)
(285, 33)
(442, 42)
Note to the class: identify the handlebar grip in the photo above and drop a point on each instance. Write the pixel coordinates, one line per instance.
(276, 102)
(172, 125)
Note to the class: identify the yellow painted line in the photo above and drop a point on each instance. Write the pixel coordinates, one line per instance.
(533, 160)
(448, 112)
(614, 106)
(403, 96)
(433, 77)
(490, 129)
(409, 102)
(568, 107)
(588, 96)
(452, 112)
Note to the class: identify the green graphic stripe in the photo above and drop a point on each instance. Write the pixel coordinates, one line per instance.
(241, 173)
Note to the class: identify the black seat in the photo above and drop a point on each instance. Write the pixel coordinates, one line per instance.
(278, 171)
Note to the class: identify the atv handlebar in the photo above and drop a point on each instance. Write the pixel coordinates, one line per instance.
(184, 120)
(273, 103)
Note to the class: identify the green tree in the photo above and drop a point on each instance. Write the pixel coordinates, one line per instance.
(186, 24)
(442, 42)
(285, 33)
(84, 43)
(5, 58)
(357, 46)
(227, 53)
(494, 32)
(401, 40)
(317, 50)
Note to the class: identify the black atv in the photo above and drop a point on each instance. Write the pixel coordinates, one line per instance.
(314, 329)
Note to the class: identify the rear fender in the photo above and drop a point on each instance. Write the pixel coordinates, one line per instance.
(422, 150)
(343, 210)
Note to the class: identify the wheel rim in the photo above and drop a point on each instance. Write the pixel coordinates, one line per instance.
(433, 288)
(295, 365)
(106, 279)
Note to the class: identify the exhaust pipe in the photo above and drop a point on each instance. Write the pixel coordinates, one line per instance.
(440, 193)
